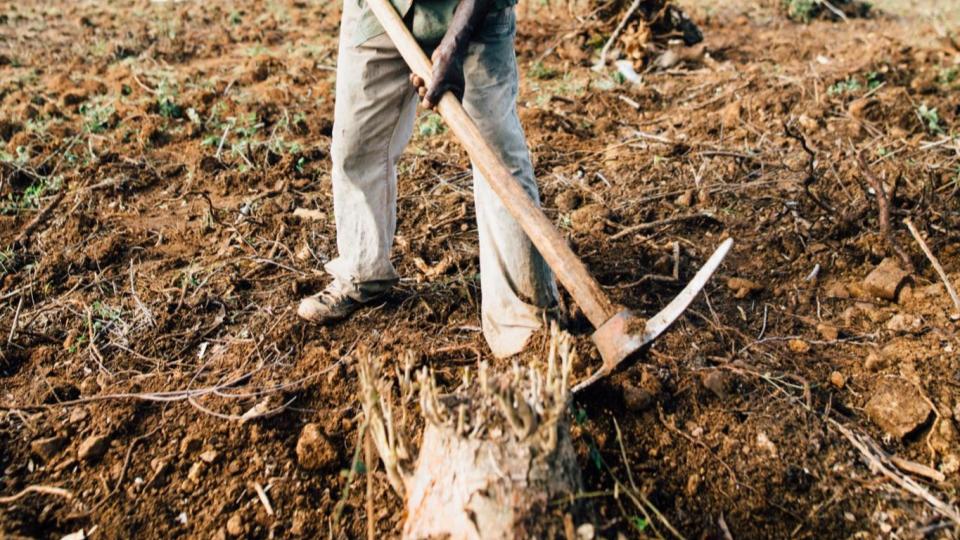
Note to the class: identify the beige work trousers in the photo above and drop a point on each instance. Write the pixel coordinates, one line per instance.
(373, 121)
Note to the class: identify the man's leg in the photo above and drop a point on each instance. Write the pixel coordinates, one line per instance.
(373, 121)
(517, 284)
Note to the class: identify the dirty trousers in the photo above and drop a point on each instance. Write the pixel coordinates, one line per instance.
(373, 121)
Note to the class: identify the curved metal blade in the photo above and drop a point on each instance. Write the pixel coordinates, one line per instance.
(617, 344)
(657, 324)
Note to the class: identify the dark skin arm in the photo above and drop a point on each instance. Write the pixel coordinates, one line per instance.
(448, 57)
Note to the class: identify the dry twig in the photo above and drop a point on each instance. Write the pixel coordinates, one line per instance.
(46, 490)
(936, 265)
(883, 209)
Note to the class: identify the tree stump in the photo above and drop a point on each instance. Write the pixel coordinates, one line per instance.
(495, 457)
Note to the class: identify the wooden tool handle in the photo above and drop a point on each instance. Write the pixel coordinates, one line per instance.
(569, 269)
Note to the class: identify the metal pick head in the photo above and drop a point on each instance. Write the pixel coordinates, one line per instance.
(626, 334)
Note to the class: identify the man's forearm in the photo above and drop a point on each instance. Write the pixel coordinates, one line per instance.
(447, 73)
(466, 19)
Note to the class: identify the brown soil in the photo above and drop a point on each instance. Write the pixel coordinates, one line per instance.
(185, 136)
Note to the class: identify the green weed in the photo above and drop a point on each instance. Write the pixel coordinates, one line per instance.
(948, 76)
(541, 72)
(849, 86)
(96, 116)
(166, 101)
(7, 258)
(30, 198)
(432, 125)
(800, 10)
(932, 119)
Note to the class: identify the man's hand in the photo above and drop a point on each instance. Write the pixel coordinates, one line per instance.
(448, 57)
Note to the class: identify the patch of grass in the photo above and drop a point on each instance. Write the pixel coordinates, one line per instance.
(167, 101)
(30, 198)
(931, 118)
(948, 76)
(7, 258)
(849, 86)
(431, 125)
(542, 72)
(96, 117)
(801, 10)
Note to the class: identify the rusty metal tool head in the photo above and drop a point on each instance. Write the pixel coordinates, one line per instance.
(622, 338)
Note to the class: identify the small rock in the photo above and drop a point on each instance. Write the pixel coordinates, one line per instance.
(897, 407)
(837, 379)
(743, 287)
(568, 200)
(905, 323)
(798, 346)
(93, 448)
(301, 523)
(314, 450)
(209, 456)
(685, 199)
(718, 382)
(885, 280)
(48, 447)
(309, 214)
(235, 525)
(828, 332)
(190, 444)
(636, 399)
(766, 444)
(196, 471)
(693, 484)
(78, 415)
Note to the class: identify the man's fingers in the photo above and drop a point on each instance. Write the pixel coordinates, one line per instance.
(417, 81)
(422, 91)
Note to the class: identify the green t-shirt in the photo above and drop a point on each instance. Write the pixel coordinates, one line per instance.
(430, 18)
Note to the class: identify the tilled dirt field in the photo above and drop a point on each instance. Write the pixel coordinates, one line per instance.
(166, 201)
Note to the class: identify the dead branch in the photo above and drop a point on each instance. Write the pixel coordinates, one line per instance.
(878, 462)
(936, 265)
(883, 209)
(46, 490)
(811, 177)
(39, 218)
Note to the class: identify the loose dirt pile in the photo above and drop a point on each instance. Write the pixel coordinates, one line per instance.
(166, 201)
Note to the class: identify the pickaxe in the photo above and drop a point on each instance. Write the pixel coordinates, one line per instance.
(619, 332)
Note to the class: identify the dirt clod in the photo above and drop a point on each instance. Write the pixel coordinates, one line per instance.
(718, 382)
(314, 450)
(828, 332)
(798, 346)
(48, 447)
(93, 447)
(743, 287)
(636, 399)
(897, 407)
(190, 444)
(235, 526)
(885, 280)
